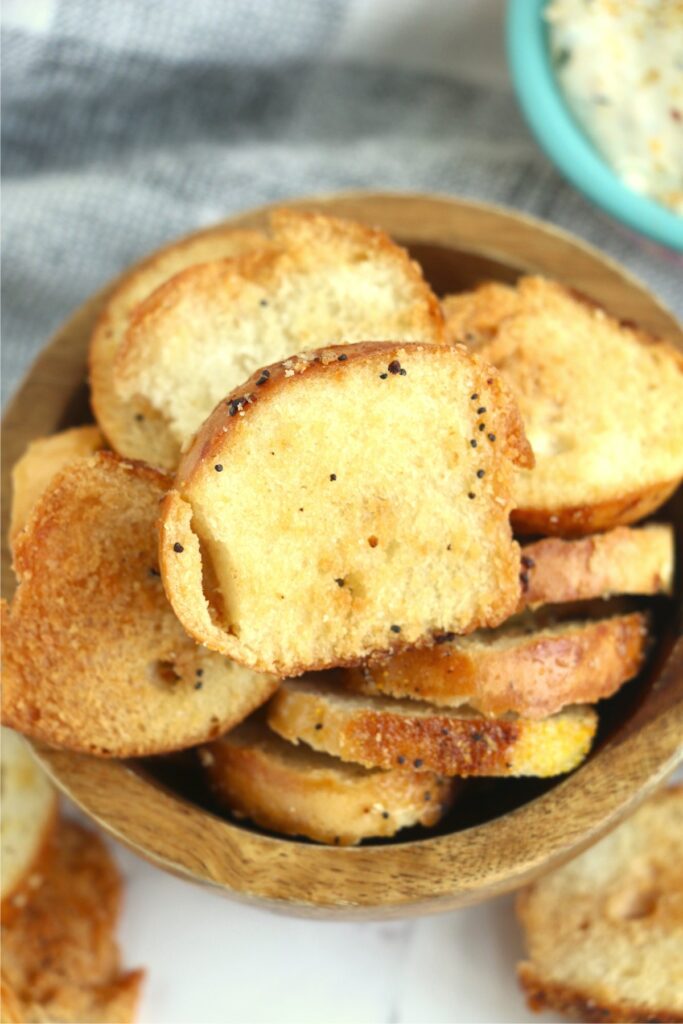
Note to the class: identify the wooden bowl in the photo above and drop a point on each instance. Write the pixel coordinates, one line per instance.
(507, 831)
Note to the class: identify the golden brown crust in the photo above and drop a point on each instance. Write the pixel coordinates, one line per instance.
(299, 792)
(43, 458)
(131, 426)
(580, 520)
(534, 674)
(474, 317)
(384, 733)
(60, 958)
(93, 658)
(231, 423)
(622, 561)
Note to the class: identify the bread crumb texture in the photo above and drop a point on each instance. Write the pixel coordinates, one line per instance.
(315, 281)
(604, 933)
(346, 502)
(602, 403)
(379, 732)
(93, 657)
(297, 791)
(60, 960)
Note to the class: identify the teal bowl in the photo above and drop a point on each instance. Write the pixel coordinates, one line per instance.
(564, 141)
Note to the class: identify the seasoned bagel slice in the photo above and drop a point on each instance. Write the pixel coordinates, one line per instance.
(295, 790)
(379, 732)
(93, 657)
(345, 502)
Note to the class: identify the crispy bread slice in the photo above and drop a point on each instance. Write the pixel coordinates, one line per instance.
(301, 792)
(321, 281)
(474, 317)
(42, 459)
(345, 502)
(132, 427)
(533, 672)
(604, 933)
(60, 960)
(605, 455)
(27, 818)
(625, 560)
(379, 732)
(93, 657)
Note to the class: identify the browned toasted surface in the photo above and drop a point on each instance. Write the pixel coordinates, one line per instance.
(298, 791)
(382, 733)
(60, 959)
(624, 560)
(609, 447)
(604, 933)
(93, 657)
(315, 491)
(131, 426)
(533, 672)
(317, 281)
(42, 459)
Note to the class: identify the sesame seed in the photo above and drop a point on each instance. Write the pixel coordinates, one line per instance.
(427, 797)
(198, 685)
(333, 476)
(474, 397)
(383, 376)
(481, 409)
(318, 726)
(473, 443)
(218, 467)
(444, 638)
(372, 541)
(471, 495)
(154, 572)
(524, 580)
(385, 814)
(339, 580)
(395, 629)
(178, 548)
(402, 372)
(199, 672)
(491, 437)
(482, 426)
(480, 473)
(401, 759)
(265, 375)
(528, 562)
(444, 732)
(263, 302)
(476, 737)
(394, 366)
(139, 417)
(342, 358)
(418, 762)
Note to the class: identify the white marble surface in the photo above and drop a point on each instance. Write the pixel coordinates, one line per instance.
(212, 961)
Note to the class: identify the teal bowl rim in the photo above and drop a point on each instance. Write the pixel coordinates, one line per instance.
(561, 138)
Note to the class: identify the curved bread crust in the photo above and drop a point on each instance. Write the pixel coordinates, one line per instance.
(42, 459)
(131, 426)
(609, 450)
(513, 669)
(380, 732)
(27, 819)
(473, 318)
(604, 933)
(303, 793)
(319, 281)
(625, 560)
(60, 960)
(331, 462)
(93, 657)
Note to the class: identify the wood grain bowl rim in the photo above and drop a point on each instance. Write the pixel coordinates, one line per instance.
(432, 874)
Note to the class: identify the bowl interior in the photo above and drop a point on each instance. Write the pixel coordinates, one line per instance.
(562, 138)
(502, 831)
